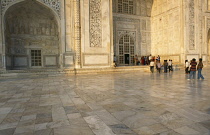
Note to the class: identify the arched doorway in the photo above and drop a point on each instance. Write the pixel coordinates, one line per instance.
(31, 36)
(126, 50)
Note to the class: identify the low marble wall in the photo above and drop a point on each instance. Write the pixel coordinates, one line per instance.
(191, 56)
(8, 61)
(50, 61)
(68, 60)
(96, 59)
(174, 58)
(20, 61)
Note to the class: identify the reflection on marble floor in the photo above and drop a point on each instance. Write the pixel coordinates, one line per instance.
(130, 103)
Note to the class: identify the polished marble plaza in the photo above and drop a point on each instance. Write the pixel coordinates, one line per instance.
(126, 103)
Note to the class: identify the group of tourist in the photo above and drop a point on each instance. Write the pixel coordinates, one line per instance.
(191, 68)
(167, 65)
(145, 60)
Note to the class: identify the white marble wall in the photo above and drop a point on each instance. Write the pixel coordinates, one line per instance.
(205, 30)
(167, 29)
(103, 49)
(69, 25)
(138, 23)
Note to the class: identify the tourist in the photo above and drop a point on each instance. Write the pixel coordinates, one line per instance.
(145, 60)
(193, 65)
(199, 68)
(170, 65)
(150, 58)
(152, 64)
(158, 65)
(158, 58)
(135, 60)
(142, 60)
(115, 61)
(187, 67)
(165, 64)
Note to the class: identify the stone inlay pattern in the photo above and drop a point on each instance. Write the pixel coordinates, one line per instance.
(95, 23)
(191, 25)
(131, 103)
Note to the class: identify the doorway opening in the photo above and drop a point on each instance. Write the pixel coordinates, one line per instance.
(126, 50)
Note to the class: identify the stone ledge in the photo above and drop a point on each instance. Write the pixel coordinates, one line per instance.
(72, 71)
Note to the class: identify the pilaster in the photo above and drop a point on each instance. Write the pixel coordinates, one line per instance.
(77, 39)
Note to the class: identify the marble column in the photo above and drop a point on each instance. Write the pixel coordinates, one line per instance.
(2, 43)
(77, 39)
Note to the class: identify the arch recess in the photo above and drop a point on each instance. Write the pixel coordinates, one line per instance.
(50, 9)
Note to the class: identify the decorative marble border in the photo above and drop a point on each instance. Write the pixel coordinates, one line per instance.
(192, 25)
(95, 23)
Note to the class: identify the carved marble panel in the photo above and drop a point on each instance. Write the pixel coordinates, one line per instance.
(191, 25)
(95, 23)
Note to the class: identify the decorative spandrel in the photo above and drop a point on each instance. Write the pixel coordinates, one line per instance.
(55, 4)
(95, 23)
(5, 3)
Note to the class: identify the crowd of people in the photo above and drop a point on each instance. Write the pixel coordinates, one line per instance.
(167, 66)
(145, 60)
(154, 62)
(191, 68)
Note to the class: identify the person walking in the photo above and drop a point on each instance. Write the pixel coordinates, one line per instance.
(187, 65)
(199, 68)
(165, 64)
(170, 65)
(135, 60)
(150, 58)
(158, 65)
(193, 65)
(152, 64)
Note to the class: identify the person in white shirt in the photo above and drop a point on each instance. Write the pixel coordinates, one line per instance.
(150, 58)
(187, 65)
(152, 64)
(170, 65)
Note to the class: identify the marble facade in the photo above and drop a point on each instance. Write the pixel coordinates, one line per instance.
(88, 33)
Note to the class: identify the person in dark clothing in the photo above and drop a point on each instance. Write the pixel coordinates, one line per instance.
(193, 65)
(199, 68)
(165, 65)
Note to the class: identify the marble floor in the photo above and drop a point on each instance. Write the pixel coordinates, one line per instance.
(129, 103)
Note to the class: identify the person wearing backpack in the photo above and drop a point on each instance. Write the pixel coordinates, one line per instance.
(199, 68)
